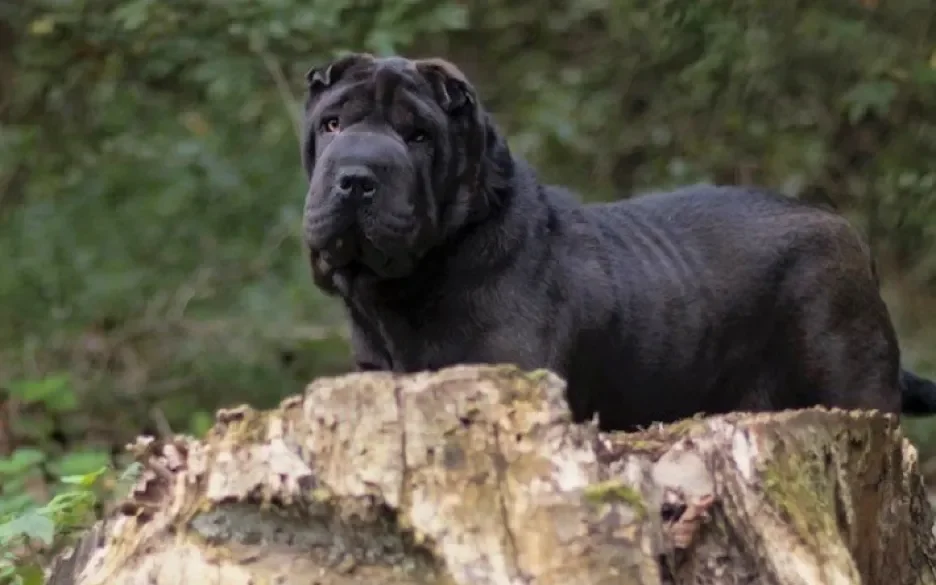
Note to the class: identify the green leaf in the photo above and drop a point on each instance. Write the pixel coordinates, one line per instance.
(42, 26)
(22, 460)
(132, 472)
(72, 508)
(133, 15)
(200, 422)
(11, 505)
(53, 391)
(79, 463)
(84, 480)
(31, 525)
(869, 96)
(29, 575)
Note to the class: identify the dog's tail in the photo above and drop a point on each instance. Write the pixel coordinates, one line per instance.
(918, 395)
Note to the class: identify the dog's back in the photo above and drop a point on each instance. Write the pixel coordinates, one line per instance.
(732, 299)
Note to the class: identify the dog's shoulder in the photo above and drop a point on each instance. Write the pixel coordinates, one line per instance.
(547, 211)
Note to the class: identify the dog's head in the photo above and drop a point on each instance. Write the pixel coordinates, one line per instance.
(395, 151)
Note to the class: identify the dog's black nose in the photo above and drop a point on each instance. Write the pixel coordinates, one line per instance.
(356, 181)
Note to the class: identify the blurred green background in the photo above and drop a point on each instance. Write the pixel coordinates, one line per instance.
(150, 186)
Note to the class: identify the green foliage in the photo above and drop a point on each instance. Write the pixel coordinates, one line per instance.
(48, 525)
(152, 246)
(31, 524)
(38, 515)
(51, 391)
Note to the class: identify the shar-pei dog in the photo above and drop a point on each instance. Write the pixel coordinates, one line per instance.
(447, 249)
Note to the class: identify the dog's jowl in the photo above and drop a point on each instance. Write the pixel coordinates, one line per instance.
(446, 249)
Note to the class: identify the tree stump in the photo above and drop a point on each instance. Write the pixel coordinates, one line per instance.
(476, 475)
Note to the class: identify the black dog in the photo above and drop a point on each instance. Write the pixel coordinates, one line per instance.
(446, 249)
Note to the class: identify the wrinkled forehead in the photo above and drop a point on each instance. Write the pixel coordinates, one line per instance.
(389, 89)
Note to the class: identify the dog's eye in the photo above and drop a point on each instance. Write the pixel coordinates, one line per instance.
(418, 136)
(331, 125)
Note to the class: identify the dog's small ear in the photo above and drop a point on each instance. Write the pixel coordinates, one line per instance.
(323, 77)
(455, 94)
(452, 89)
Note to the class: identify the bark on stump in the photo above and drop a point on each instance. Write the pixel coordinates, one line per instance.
(475, 475)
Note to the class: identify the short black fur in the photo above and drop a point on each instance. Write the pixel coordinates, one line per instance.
(703, 299)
